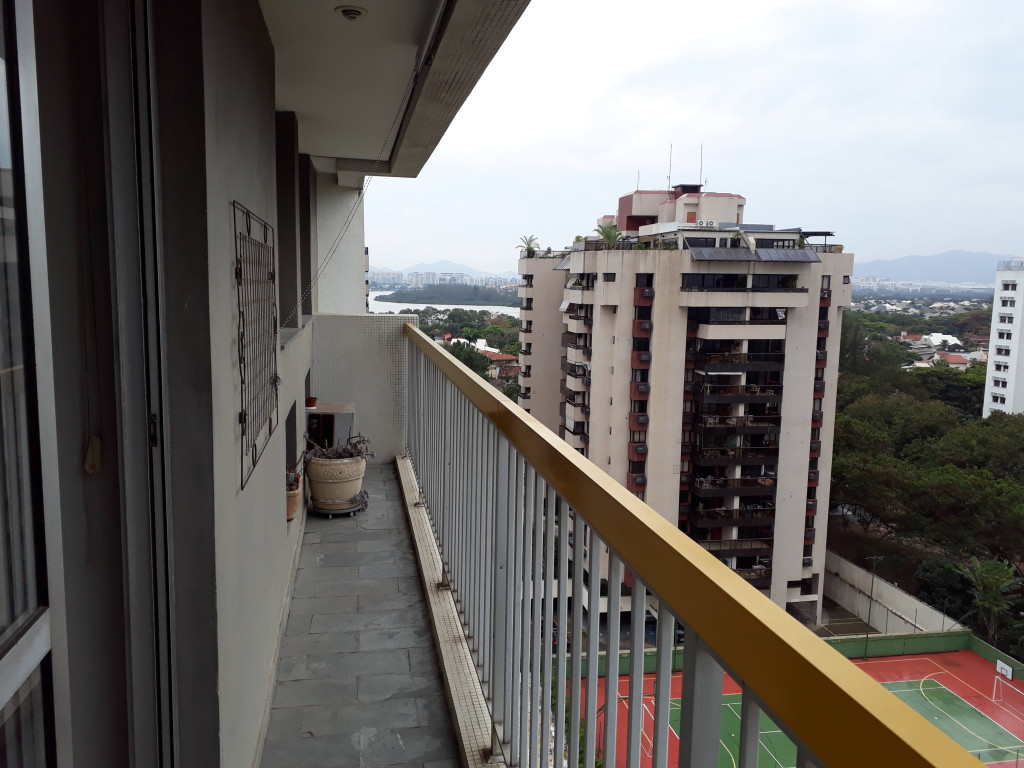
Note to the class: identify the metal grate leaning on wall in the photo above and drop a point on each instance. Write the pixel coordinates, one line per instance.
(257, 334)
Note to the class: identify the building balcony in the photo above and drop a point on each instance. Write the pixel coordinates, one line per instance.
(815, 449)
(826, 298)
(721, 517)
(740, 361)
(524, 291)
(636, 451)
(642, 329)
(640, 360)
(579, 324)
(636, 482)
(822, 328)
(577, 355)
(501, 655)
(812, 478)
(638, 422)
(819, 385)
(643, 297)
(741, 486)
(739, 393)
(639, 390)
(739, 547)
(740, 424)
(712, 457)
(817, 418)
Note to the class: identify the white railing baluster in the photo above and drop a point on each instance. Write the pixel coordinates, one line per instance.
(611, 681)
(662, 687)
(750, 731)
(561, 747)
(593, 645)
(516, 574)
(548, 622)
(536, 698)
(701, 714)
(500, 677)
(576, 647)
(635, 735)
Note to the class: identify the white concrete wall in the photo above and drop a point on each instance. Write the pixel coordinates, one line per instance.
(893, 611)
(545, 339)
(254, 544)
(341, 288)
(1013, 393)
(360, 359)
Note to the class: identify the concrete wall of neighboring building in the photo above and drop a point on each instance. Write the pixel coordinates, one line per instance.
(341, 288)
(360, 359)
(545, 340)
(799, 529)
(1004, 382)
(892, 611)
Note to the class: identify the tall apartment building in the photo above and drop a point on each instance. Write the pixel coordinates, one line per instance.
(1005, 361)
(697, 365)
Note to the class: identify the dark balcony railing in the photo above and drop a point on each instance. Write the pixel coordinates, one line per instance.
(713, 483)
(821, 354)
(711, 421)
(826, 293)
(716, 456)
(817, 417)
(735, 547)
(719, 359)
(828, 248)
(738, 392)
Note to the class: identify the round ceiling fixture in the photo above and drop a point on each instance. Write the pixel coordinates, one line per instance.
(351, 12)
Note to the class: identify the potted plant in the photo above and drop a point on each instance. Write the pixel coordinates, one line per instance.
(293, 493)
(336, 475)
(529, 244)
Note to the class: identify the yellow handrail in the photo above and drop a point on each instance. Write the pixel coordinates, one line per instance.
(838, 711)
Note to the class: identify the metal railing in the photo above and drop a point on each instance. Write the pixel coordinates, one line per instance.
(519, 516)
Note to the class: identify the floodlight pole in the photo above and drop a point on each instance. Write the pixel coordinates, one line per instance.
(871, 599)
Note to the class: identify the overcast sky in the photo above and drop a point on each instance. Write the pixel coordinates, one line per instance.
(897, 124)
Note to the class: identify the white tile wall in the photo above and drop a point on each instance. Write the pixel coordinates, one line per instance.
(360, 359)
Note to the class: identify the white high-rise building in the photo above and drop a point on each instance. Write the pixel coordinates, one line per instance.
(696, 363)
(1005, 362)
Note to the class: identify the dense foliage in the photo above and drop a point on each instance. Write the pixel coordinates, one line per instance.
(472, 295)
(500, 331)
(915, 463)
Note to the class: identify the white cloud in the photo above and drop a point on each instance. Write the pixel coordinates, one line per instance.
(896, 125)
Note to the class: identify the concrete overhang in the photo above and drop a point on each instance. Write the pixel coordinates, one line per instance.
(386, 85)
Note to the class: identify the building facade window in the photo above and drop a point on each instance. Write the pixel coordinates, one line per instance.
(1009, 285)
(1003, 351)
(608, 277)
(1002, 367)
(1008, 302)
(1006, 335)
(1001, 383)
(1006, 318)
(1000, 399)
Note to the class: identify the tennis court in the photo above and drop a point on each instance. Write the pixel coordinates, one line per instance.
(956, 691)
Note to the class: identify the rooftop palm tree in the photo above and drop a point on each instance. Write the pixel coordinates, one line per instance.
(529, 244)
(609, 233)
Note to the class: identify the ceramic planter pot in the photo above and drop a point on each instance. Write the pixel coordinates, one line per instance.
(334, 483)
(293, 501)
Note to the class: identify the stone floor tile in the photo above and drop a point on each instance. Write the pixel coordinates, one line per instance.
(363, 662)
(311, 605)
(358, 621)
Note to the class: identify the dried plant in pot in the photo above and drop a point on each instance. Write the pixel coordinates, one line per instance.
(293, 494)
(336, 475)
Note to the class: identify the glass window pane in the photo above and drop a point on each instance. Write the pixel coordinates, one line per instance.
(18, 592)
(22, 726)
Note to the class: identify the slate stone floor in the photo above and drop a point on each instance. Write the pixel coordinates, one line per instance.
(358, 682)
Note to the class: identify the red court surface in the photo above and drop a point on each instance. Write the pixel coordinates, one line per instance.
(964, 673)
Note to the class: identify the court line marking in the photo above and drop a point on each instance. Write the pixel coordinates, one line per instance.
(980, 738)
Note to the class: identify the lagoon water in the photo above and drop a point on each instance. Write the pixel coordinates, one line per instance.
(387, 306)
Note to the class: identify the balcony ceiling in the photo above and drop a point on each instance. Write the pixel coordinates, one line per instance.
(346, 80)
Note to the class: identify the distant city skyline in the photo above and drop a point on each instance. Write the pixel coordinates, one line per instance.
(887, 123)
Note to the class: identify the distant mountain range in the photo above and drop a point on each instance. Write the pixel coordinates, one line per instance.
(948, 267)
(444, 266)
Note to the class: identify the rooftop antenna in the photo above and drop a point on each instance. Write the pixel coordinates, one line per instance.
(700, 174)
(669, 172)
(638, 178)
